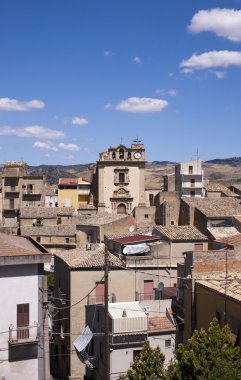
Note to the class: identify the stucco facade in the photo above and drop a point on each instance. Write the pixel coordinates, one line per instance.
(121, 179)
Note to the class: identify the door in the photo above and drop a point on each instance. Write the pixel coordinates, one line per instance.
(23, 321)
(148, 289)
(121, 209)
(100, 292)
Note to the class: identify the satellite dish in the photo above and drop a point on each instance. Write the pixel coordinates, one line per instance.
(132, 228)
(160, 286)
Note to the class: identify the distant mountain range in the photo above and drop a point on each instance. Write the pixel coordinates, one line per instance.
(225, 169)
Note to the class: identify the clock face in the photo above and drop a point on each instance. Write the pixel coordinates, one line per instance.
(137, 155)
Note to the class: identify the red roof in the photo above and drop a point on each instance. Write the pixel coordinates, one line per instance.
(135, 239)
(68, 181)
(160, 324)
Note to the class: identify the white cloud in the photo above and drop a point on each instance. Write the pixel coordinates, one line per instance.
(219, 74)
(35, 131)
(223, 22)
(172, 92)
(70, 147)
(108, 53)
(45, 146)
(136, 60)
(69, 157)
(7, 104)
(79, 121)
(141, 105)
(162, 91)
(222, 58)
(107, 106)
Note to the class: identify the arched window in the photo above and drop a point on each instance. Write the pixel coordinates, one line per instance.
(121, 153)
(113, 155)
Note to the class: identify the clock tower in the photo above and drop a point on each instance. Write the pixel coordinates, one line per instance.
(121, 177)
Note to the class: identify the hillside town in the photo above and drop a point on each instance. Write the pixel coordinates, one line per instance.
(92, 269)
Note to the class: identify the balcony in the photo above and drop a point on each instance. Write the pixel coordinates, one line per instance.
(191, 185)
(24, 335)
(96, 300)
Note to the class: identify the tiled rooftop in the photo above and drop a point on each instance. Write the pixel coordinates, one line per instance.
(215, 207)
(219, 282)
(68, 181)
(236, 186)
(160, 324)
(18, 246)
(88, 259)
(218, 187)
(98, 219)
(222, 232)
(231, 240)
(181, 233)
(45, 212)
(58, 230)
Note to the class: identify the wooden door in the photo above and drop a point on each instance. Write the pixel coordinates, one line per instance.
(148, 289)
(23, 321)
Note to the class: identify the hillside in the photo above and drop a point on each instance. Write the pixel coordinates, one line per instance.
(228, 169)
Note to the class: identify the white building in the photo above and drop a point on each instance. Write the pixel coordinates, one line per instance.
(130, 325)
(23, 315)
(189, 179)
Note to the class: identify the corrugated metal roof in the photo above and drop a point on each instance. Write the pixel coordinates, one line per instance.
(135, 239)
(127, 317)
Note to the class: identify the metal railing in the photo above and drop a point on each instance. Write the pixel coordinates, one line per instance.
(24, 334)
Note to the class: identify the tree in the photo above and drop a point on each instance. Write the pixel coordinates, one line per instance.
(148, 365)
(209, 355)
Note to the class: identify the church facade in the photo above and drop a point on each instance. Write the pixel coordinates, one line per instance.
(121, 176)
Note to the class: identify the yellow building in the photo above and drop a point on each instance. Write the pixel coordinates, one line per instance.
(73, 192)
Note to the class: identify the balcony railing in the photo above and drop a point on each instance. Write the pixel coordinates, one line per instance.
(145, 296)
(95, 300)
(24, 334)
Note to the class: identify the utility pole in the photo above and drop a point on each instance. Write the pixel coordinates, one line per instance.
(107, 343)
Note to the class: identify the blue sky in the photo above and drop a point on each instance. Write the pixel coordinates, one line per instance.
(78, 76)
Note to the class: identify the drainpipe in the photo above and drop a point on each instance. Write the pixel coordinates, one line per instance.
(193, 322)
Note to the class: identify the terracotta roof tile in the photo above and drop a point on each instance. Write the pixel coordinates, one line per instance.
(181, 233)
(18, 246)
(160, 324)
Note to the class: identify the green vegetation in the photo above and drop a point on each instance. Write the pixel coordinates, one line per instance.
(50, 280)
(209, 355)
(148, 365)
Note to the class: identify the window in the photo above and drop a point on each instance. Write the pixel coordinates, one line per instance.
(151, 199)
(67, 240)
(168, 343)
(59, 221)
(192, 182)
(113, 155)
(198, 247)
(146, 216)
(129, 155)
(23, 321)
(11, 204)
(192, 193)
(121, 177)
(172, 222)
(190, 169)
(121, 153)
(38, 239)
